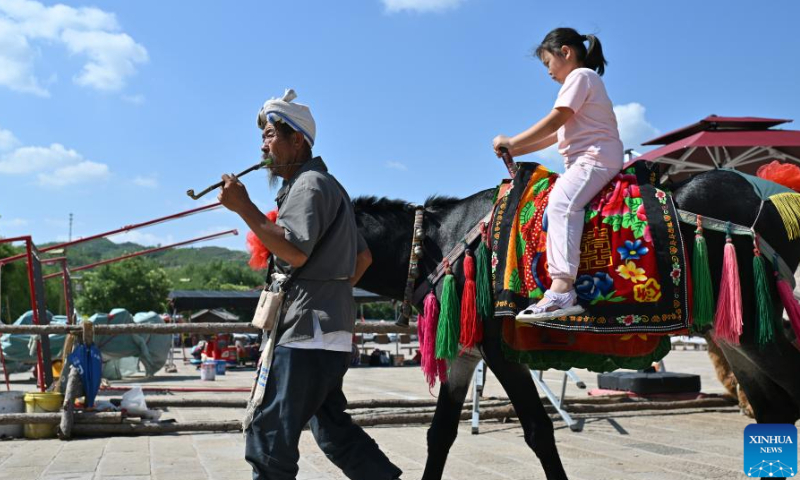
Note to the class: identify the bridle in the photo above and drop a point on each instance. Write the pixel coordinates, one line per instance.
(418, 235)
(412, 295)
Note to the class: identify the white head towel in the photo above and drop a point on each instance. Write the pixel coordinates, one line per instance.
(297, 115)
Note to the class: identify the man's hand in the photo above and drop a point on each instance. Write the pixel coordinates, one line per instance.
(233, 194)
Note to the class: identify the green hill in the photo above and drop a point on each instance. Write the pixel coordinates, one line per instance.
(213, 268)
(104, 249)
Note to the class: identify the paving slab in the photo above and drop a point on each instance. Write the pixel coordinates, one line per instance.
(651, 445)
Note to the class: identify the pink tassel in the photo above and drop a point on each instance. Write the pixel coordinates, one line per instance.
(469, 307)
(790, 304)
(426, 326)
(728, 319)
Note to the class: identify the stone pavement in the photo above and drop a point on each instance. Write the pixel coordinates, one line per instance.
(696, 444)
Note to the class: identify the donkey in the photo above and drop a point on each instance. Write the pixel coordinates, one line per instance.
(770, 377)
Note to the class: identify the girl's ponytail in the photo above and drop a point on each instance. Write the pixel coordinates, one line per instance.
(591, 58)
(594, 55)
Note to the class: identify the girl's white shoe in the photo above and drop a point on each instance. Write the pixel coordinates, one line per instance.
(557, 305)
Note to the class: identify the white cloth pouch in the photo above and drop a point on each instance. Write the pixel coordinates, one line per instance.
(269, 307)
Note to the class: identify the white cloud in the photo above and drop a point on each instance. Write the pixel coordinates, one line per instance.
(84, 172)
(55, 166)
(112, 57)
(633, 126)
(32, 159)
(147, 182)
(633, 130)
(26, 25)
(16, 61)
(12, 222)
(550, 158)
(7, 141)
(142, 238)
(422, 6)
(10, 227)
(396, 166)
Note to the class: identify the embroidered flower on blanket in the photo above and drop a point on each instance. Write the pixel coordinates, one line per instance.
(629, 271)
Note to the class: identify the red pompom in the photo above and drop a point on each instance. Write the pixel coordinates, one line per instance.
(259, 254)
(786, 174)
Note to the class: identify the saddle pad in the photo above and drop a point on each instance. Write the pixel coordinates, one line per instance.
(633, 273)
(544, 348)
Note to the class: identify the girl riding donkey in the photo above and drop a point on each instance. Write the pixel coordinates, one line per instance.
(583, 123)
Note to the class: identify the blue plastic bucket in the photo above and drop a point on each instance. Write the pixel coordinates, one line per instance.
(221, 367)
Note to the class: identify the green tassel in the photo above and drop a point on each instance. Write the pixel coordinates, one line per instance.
(703, 307)
(483, 272)
(765, 310)
(449, 326)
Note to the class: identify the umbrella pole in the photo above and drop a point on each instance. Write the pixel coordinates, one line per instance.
(67, 418)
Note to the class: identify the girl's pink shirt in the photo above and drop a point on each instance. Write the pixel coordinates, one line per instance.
(591, 133)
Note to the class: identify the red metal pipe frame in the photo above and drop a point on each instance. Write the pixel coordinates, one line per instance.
(177, 389)
(65, 280)
(136, 254)
(39, 361)
(67, 292)
(29, 255)
(113, 232)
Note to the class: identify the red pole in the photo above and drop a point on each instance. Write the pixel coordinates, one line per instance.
(177, 389)
(143, 252)
(126, 228)
(65, 285)
(54, 260)
(39, 361)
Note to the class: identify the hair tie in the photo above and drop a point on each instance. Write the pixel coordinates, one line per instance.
(584, 38)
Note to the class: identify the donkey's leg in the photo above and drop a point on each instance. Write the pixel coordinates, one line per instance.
(765, 375)
(726, 377)
(518, 384)
(444, 427)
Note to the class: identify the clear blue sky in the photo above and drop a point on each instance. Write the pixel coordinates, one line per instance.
(111, 110)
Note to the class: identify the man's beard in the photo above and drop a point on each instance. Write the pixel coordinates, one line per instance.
(272, 177)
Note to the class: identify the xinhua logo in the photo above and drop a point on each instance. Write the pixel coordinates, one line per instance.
(770, 450)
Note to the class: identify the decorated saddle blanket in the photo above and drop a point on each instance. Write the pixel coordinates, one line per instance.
(632, 276)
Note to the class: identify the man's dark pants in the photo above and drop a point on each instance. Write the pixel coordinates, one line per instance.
(305, 387)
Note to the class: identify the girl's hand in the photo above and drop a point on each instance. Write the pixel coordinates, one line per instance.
(501, 141)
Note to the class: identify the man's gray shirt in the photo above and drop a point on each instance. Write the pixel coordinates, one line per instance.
(310, 204)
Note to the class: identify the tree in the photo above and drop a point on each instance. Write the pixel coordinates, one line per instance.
(137, 285)
(15, 288)
(215, 275)
(379, 311)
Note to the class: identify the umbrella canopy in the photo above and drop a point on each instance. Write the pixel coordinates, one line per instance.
(89, 362)
(741, 143)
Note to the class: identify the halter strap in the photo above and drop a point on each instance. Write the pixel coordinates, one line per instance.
(418, 235)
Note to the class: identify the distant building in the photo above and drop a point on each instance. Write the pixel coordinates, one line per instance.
(213, 316)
